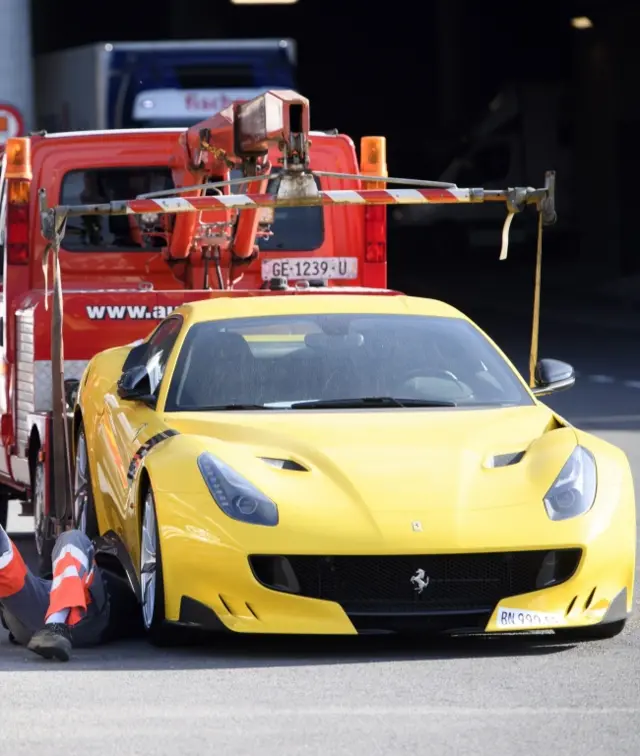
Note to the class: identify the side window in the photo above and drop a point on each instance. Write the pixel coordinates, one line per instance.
(159, 350)
(115, 233)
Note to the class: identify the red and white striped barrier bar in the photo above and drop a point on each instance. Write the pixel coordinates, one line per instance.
(249, 201)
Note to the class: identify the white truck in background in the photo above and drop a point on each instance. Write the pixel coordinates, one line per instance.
(124, 85)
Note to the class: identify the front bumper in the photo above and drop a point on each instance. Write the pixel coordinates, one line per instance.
(593, 584)
(213, 577)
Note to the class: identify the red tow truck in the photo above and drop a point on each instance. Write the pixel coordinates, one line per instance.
(122, 274)
(105, 233)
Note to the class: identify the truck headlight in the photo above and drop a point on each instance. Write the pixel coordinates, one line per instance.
(235, 495)
(574, 490)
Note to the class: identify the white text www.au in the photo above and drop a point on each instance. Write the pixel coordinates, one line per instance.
(128, 312)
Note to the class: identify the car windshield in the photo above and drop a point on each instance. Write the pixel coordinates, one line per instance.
(338, 361)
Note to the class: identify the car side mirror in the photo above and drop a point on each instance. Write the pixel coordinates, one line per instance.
(135, 356)
(135, 384)
(551, 376)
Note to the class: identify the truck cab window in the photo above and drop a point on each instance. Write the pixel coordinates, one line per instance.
(119, 232)
(295, 229)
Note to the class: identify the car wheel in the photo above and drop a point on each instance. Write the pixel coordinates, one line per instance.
(151, 578)
(42, 533)
(84, 512)
(592, 633)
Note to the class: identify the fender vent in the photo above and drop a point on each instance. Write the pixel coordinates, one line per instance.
(284, 464)
(504, 460)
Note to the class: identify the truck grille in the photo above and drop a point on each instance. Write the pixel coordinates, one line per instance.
(382, 584)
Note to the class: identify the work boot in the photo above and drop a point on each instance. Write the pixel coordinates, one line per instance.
(52, 642)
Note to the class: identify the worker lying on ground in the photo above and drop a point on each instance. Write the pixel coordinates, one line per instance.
(82, 606)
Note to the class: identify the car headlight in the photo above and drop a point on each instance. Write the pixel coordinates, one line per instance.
(235, 496)
(574, 490)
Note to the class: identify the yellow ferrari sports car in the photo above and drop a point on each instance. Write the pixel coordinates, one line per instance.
(323, 463)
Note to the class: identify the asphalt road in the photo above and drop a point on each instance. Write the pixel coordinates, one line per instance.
(360, 695)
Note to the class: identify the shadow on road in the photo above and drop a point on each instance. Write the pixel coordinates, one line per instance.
(224, 652)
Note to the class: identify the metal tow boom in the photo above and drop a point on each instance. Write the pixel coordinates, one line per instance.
(239, 138)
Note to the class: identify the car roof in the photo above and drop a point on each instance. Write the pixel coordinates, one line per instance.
(244, 307)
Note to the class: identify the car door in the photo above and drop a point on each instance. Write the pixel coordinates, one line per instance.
(127, 425)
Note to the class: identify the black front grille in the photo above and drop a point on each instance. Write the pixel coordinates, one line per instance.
(383, 585)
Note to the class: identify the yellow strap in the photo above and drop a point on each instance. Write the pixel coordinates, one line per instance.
(504, 248)
(45, 270)
(535, 330)
(62, 485)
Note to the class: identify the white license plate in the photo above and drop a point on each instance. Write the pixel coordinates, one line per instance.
(526, 619)
(306, 268)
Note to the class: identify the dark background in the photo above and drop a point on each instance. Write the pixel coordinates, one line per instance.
(421, 73)
(366, 69)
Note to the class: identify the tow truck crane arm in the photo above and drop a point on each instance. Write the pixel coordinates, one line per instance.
(240, 135)
(238, 138)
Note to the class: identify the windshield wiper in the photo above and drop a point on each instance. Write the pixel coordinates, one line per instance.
(426, 403)
(227, 407)
(369, 401)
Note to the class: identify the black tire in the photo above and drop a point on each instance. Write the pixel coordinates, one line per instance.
(91, 525)
(43, 538)
(592, 633)
(158, 633)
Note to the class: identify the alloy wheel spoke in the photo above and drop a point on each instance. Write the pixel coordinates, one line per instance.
(148, 562)
(81, 486)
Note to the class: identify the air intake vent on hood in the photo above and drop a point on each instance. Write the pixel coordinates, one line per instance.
(504, 460)
(284, 464)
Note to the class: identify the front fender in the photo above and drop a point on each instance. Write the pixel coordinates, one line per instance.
(183, 500)
(615, 486)
(185, 509)
(98, 379)
(192, 529)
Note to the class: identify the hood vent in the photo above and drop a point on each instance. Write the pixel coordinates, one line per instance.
(284, 464)
(504, 460)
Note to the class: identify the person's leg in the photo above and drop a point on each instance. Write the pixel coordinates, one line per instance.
(77, 610)
(24, 598)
